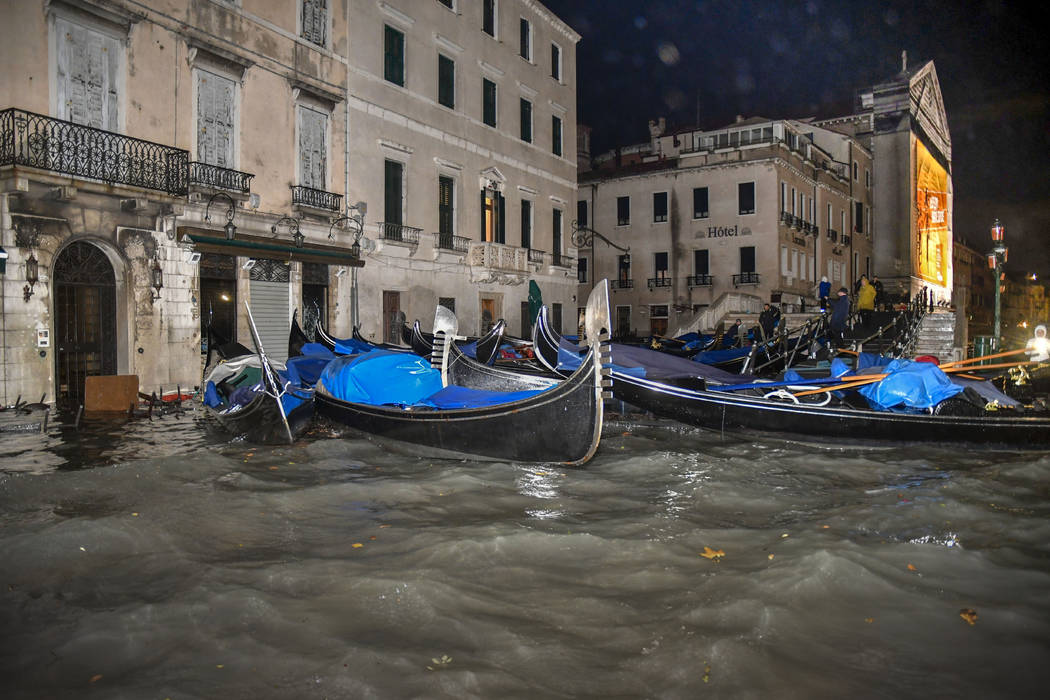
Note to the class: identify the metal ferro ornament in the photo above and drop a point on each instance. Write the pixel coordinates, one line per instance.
(583, 237)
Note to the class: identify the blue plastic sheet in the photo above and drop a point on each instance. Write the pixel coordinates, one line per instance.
(714, 357)
(305, 370)
(381, 377)
(350, 346)
(910, 386)
(463, 397)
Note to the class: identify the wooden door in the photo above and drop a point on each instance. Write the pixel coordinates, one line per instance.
(393, 317)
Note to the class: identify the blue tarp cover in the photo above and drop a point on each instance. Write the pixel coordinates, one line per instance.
(305, 370)
(910, 385)
(713, 357)
(382, 377)
(350, 346)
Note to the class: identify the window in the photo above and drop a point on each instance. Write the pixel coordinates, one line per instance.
(488, 99)
(659, 206)
(581, 270)
(556, 62)
(393, 56)
(88, 65)
(313, 148)
(493, 208)
(393, 192)
(855, 170)
(746, 197)
(867, 178)
(446, 208)
(526, 223)
(556, 135)
(831, 224)
(623, 211)
(581, 212)
(315, 21)
(556, 234)
(448, 302)
(623, 264)
(700, 203)
(488, 17)
(446, 81)
(525, 50)
(216, 122)
(858, 217)
(660, 265)
(783, 196)
(747, 259)
(526, 121)
(658, 319)
(556, 317)
(701, 262)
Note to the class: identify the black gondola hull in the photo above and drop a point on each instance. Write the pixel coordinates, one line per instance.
(259, 422)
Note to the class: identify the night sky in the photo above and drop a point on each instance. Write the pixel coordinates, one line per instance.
(706, 61)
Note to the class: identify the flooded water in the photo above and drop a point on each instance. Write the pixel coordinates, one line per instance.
(156, 560)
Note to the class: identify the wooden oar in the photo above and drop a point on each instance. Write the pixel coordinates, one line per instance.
(872, 378)
(971, 360)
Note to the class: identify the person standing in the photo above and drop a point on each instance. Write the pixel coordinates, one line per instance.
(767, 320)
(879, 298)
(730, 339)
(839, 315)
(823, 292)
(865, 301)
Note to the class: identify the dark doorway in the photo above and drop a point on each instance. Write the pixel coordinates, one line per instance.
(315, 298)
(393, 317)
(85, 319)
(218, 298)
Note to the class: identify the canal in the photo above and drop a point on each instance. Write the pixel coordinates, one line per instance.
(154, 559)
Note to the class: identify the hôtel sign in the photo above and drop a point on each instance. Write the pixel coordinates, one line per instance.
(723, 232)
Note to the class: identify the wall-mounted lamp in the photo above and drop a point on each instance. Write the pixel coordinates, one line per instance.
(32, 277)
(156, 279)
(193, 257)
(229, 228)
(293, 227)
(248, 264)
(340, 272)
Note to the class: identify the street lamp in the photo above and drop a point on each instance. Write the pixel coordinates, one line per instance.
(229, 229)
(995, 261)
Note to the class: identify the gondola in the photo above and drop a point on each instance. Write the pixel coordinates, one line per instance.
(484, 349)
(469, 409)
(261, 400)
(355, 344)
(733, 403)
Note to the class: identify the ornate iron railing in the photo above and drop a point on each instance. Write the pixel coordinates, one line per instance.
(60, 146)
(319, 199)
(745, 278)
(659, 282)
(535, 256)
(447, 241)
(399, 233)
(216, 177)
(699, 280)
(846, 239)
(622, 284)
(833, 235)
(560, 260)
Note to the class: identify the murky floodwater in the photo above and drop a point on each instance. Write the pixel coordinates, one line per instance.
(187, 567)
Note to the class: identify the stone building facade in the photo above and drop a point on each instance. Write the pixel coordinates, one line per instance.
(167, 163)
(761, 207)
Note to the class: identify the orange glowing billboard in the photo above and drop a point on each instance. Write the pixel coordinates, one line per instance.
(932, 252)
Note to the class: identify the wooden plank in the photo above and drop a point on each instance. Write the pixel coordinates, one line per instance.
(112, 393)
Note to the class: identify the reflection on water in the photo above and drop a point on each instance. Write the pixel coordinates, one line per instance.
(186, 566)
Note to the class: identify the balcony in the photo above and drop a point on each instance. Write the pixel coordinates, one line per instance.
(60, 146)
(624, 283)
(700, 280)
(846, 239)
(399, 233)
(536, 256)
(833, 235)
(315, 199)
(560, 260)
(745, 278)
(659, 282)
(217, 178)
(447, 241)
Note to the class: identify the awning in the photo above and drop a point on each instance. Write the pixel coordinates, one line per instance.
(207, 240)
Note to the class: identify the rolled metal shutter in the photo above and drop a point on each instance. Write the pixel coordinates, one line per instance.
(269, 290)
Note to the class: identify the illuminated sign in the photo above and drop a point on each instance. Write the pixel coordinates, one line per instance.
(931, 253)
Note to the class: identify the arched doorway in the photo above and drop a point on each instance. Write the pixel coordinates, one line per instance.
(85, 292)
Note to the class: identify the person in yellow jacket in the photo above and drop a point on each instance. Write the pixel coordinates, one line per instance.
(865, 301)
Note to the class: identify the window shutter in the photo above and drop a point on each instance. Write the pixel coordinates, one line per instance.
(501, 227)
(483, 206)
(315, 21)
(392, 200)
(445, 205)
(215, 122)
(312, 149)
(88, 63)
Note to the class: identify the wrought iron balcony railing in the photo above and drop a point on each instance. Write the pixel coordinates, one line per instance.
(399, 233)
(833, 235)
(447, 241)
(536, 256)
(745, 278)
(36, 141)
(622, 283)
(846, 239)
(659, 282)
(216, 177)
(318, 199)
(700, 280)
